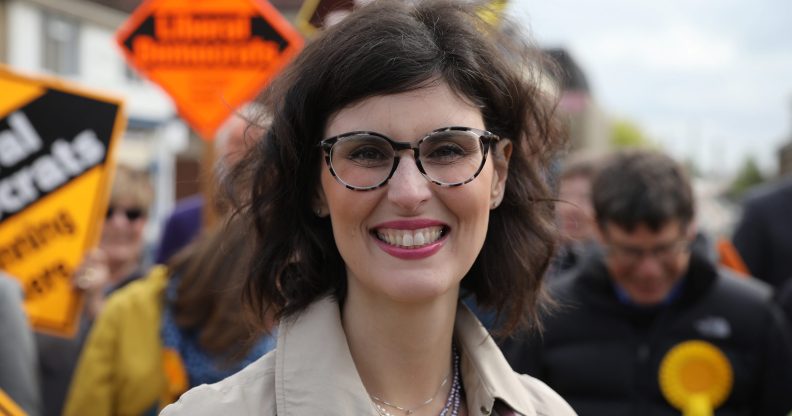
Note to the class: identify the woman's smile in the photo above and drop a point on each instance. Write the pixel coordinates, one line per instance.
(411, 239)
(410, 233)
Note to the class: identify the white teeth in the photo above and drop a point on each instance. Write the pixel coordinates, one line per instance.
(410, 238)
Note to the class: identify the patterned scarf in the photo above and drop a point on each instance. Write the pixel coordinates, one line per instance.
(181, 349)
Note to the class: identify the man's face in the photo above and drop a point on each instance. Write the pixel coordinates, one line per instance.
(644, 263)
(575, 213)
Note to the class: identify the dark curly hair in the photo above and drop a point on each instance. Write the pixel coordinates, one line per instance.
(639, 186)
(391, 47)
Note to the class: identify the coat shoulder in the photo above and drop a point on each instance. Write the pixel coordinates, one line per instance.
(546, 401)
(251, 391)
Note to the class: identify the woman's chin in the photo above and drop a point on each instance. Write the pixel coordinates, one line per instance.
(122, 255)
(416, 290)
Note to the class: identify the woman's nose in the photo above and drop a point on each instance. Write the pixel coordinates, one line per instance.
(408, 188)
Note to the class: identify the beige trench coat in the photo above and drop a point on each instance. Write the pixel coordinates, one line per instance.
(311, 372)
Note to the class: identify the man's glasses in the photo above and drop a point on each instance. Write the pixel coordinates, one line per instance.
(631, 256)
(131, 214)
(365, 160)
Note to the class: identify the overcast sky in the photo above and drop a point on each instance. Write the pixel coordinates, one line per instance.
(709, 79)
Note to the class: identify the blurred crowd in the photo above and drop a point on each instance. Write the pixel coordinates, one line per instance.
(635, 293)
(633, 277)
(147, 332)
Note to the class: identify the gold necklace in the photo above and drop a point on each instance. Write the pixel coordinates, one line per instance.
(378, 402)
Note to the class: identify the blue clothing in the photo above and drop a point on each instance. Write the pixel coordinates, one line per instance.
(201, 367)
(672, 296)
(181, 227)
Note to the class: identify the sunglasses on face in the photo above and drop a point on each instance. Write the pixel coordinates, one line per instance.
(131, 214)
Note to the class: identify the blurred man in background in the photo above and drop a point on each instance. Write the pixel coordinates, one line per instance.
(621, 313)
(575, 213)
(764, 235)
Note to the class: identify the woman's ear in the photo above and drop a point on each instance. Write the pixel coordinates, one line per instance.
(501, 154)
(319, 203)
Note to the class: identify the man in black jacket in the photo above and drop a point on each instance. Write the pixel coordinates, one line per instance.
(763, 236)
(647, 292)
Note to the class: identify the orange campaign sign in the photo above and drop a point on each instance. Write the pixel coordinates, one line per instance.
(56, 147)
(210, 56)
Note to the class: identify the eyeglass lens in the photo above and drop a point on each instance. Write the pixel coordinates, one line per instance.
(662, 253)
(446, 157)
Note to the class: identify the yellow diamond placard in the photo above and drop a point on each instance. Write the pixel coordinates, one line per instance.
(56, 147)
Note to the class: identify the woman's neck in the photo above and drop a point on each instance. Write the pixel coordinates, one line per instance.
(119, 271)
(402, 351)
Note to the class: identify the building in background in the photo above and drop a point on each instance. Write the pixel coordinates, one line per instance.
(75, 40)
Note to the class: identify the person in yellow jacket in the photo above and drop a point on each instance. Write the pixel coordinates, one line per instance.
(176, 328)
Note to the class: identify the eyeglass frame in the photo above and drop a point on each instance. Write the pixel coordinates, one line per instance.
(486, 138)
(680, 245)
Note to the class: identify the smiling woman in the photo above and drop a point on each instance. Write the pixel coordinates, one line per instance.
(405, 163)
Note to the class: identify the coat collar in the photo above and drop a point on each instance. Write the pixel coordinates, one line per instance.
(314, 370)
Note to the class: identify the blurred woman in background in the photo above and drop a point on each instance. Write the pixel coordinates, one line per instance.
(113, 263)
(118, 259)
(178, 327)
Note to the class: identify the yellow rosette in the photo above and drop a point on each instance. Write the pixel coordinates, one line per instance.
(695, 377)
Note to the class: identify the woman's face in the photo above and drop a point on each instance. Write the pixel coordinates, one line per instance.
(122, 233)
(373, 229)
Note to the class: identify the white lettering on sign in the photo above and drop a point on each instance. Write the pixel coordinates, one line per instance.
(67, 159)
(19, 142)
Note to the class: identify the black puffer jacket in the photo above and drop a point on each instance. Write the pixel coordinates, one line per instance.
(603, 356)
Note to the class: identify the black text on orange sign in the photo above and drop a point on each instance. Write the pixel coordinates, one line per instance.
(207, 27)
(228, 41)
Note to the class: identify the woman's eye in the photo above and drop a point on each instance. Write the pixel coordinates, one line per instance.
(367, 154)
(446, 152)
